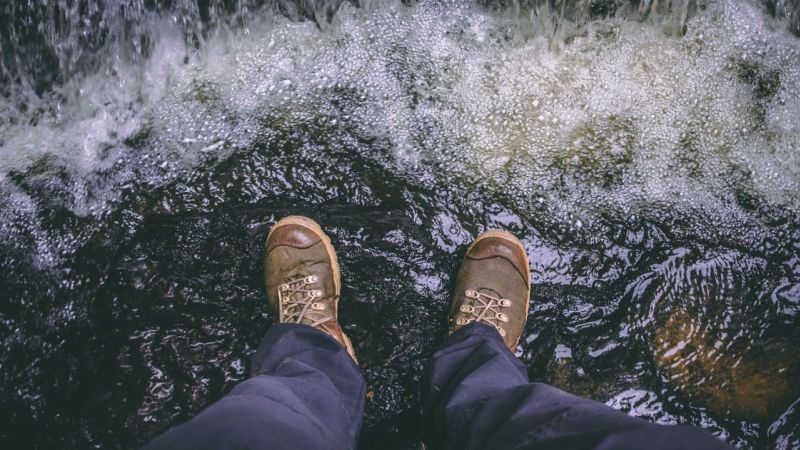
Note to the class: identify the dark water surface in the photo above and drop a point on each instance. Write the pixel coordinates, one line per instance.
(652, 176)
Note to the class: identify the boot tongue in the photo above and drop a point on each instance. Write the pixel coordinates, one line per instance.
(313, 317)
(303, 300)
(489, 308)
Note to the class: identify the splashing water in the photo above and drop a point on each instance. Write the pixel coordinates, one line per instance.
(647, 155)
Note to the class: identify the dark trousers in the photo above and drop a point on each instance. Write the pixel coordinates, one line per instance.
(307, 393)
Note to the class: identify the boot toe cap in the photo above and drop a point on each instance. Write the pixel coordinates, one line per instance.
(293, 235)
(501, 244)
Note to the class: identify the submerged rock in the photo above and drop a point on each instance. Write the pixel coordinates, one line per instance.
(599, 152)
(756, 384)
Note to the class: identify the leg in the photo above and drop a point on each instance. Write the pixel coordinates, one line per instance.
(306, 393)
(478, 396)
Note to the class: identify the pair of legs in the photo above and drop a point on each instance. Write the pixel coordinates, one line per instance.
(307, 391)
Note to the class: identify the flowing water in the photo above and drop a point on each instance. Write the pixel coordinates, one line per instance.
(647, 153)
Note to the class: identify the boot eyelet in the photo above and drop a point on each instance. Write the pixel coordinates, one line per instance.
(311, 279)
(462, 321)
(505, 302)
(471, 293)
(502, 317)
(502, 332)
(284, 287)
(466, 309)
(317, 293)
(318, 306)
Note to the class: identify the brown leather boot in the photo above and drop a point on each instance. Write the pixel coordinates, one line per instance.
(302, 277)
(493, 286)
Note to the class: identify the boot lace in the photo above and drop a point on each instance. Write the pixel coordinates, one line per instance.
(484, 308)
(298, 301)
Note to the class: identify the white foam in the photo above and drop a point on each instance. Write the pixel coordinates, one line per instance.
(622, 118)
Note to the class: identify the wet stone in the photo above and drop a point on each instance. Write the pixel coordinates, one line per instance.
(757, 383)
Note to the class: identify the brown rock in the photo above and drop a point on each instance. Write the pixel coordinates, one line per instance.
(754, 382)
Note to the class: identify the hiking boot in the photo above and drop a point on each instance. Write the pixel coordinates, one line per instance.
(302, 277)
(493, 286)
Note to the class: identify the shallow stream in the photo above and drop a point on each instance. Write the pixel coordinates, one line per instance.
(647, 154)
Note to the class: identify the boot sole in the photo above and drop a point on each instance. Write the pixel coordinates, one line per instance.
(505, 235)
(337, 275)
